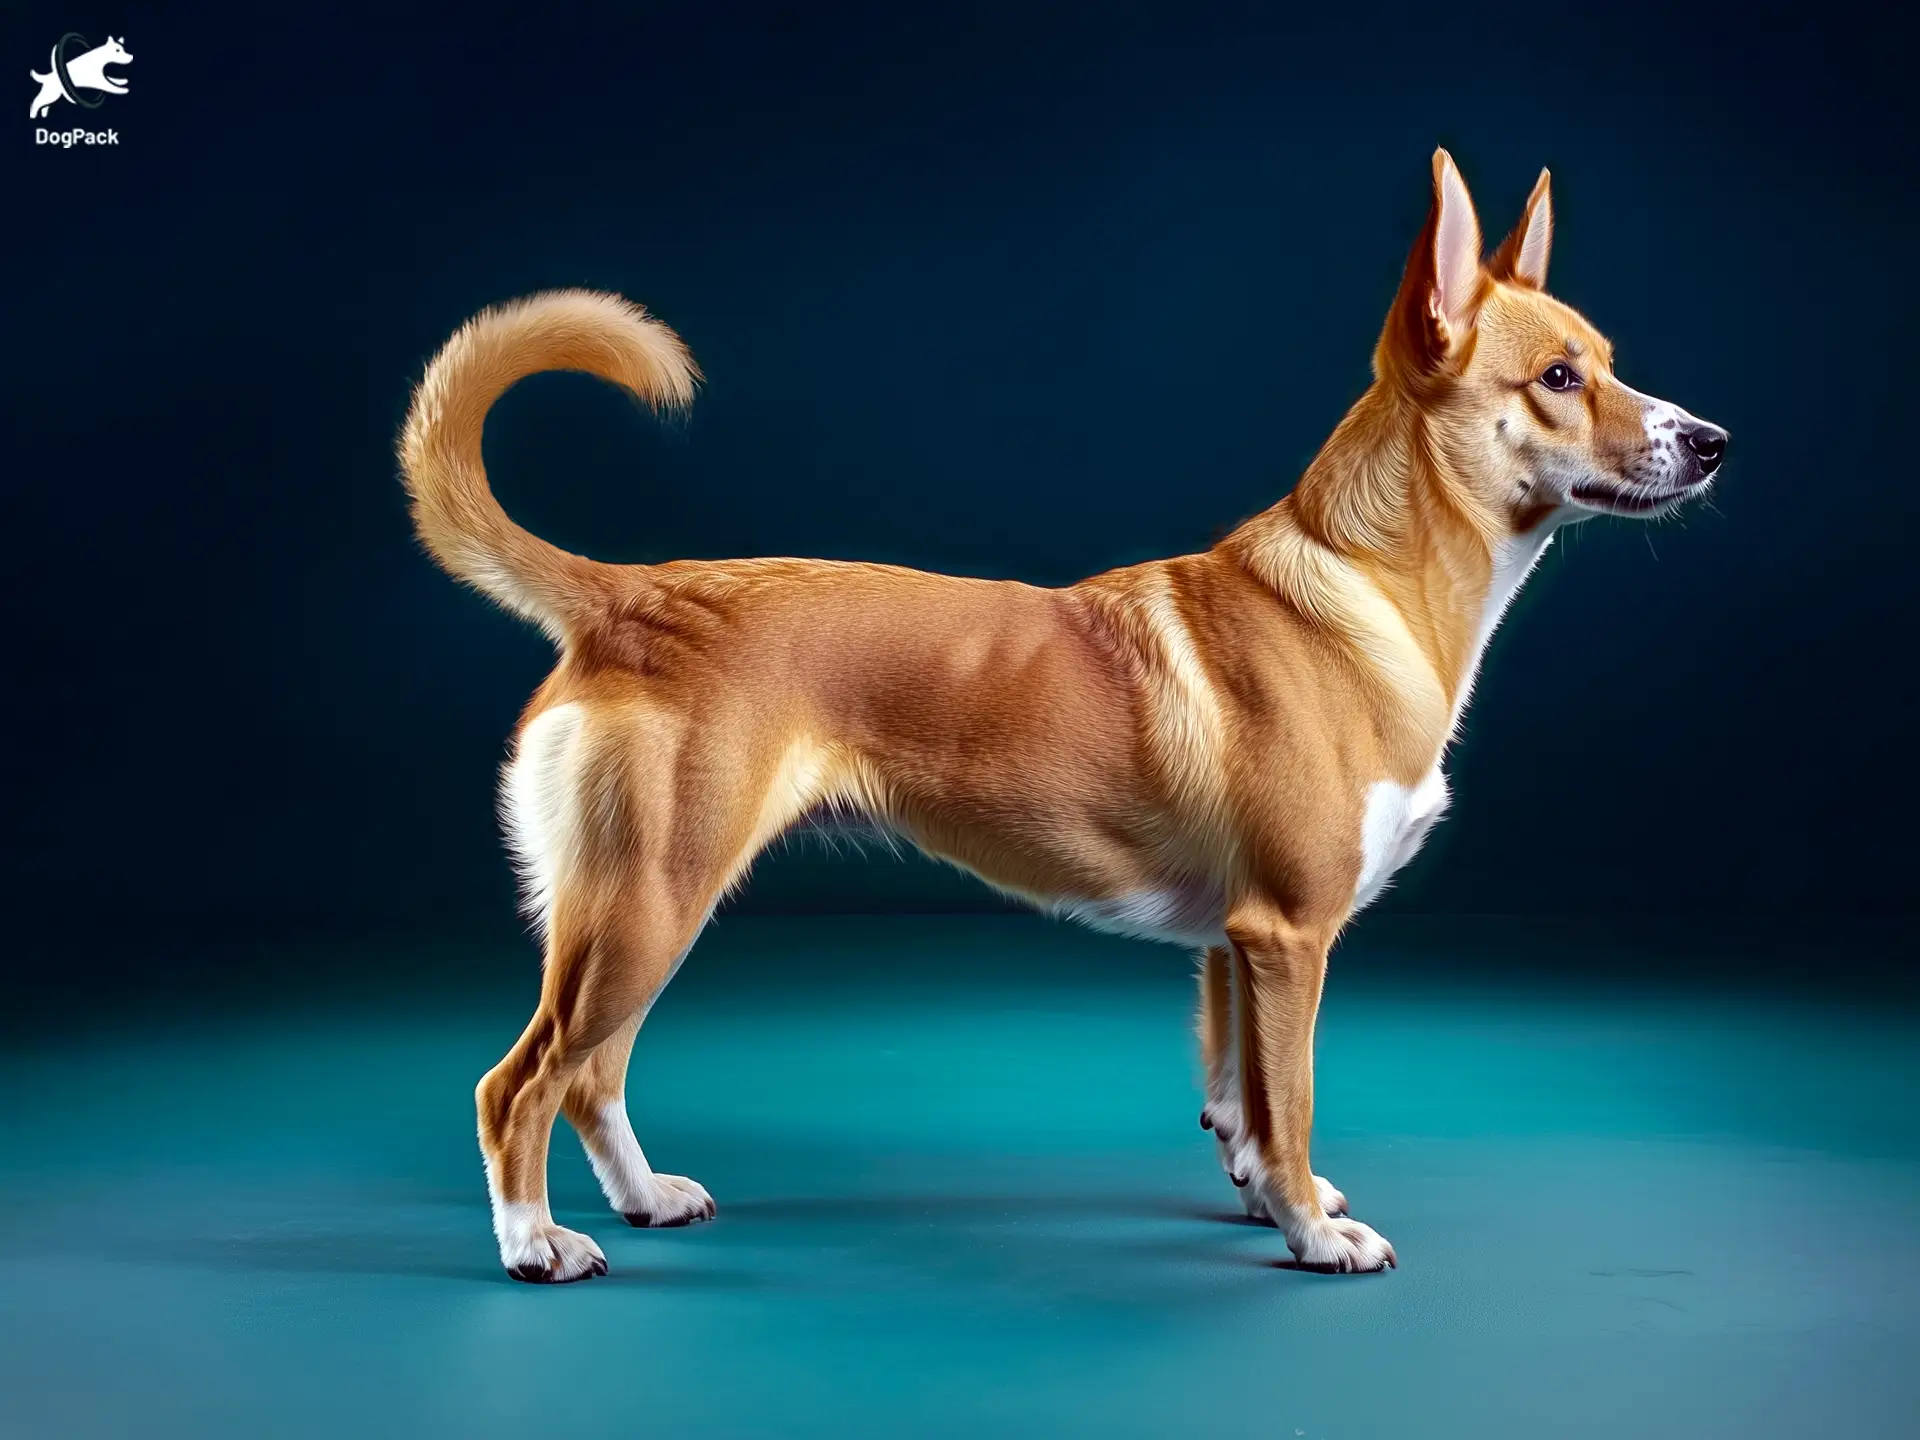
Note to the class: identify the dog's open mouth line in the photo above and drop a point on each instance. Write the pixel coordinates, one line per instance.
(1626, 501)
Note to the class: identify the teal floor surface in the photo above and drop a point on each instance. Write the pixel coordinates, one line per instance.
(962, 1192)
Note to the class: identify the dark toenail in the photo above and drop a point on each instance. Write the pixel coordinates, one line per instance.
(531, 1274)
(1241, 1180)
(1206, 1120)
(636, 1219)
(599, 1266)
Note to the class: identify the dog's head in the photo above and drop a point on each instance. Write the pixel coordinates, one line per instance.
(1519, 388)
(113, 52)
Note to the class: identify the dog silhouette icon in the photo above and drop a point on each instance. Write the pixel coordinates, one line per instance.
(66, 78)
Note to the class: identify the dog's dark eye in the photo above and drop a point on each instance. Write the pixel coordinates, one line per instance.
(1559, 377)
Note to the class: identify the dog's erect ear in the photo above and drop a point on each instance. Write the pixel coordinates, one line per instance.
(1441, 289)
(1522, 256)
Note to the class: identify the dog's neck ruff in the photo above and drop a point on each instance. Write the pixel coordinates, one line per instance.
(1379, 546)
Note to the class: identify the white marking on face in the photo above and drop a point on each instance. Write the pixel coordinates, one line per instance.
(1664, 461)
(1396, 822)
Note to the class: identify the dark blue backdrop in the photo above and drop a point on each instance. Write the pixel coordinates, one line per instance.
(1015, 294)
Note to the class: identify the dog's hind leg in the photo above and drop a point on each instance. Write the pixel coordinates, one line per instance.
(604, 963)
(596, 1107)
(628, 834)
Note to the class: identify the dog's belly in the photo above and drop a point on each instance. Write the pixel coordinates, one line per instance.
(1396, 823)
(1190, 912)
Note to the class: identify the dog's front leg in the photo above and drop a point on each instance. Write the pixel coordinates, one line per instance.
(1222, 1114)
(1278, 967)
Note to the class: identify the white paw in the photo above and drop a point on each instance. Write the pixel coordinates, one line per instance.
(1339, 1246)
(631, 1185)
(1253, 1197)
(1241, 1160)
(1242, 1163)
(669, 1200)
(535, 1249)
(1331, 1200)
(1239, 1156)
(1221, 1115)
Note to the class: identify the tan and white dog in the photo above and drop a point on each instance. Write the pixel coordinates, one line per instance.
(1232, 751)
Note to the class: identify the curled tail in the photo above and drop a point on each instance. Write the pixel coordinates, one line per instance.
(454, 511)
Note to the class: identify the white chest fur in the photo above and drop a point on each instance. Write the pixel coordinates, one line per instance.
(1513, 561)
(1397, 820)
(1398, 817)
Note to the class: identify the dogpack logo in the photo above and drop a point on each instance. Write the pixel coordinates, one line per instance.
(77, 72)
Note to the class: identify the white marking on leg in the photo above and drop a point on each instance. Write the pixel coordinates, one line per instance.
(1223, 1113)
(618, 1162)
(631, 1185)
(1239, 1156)
(540, 805)
(532, 1247)
(1322, 1236)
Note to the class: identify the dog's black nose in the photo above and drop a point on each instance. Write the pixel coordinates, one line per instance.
(1708, 444)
